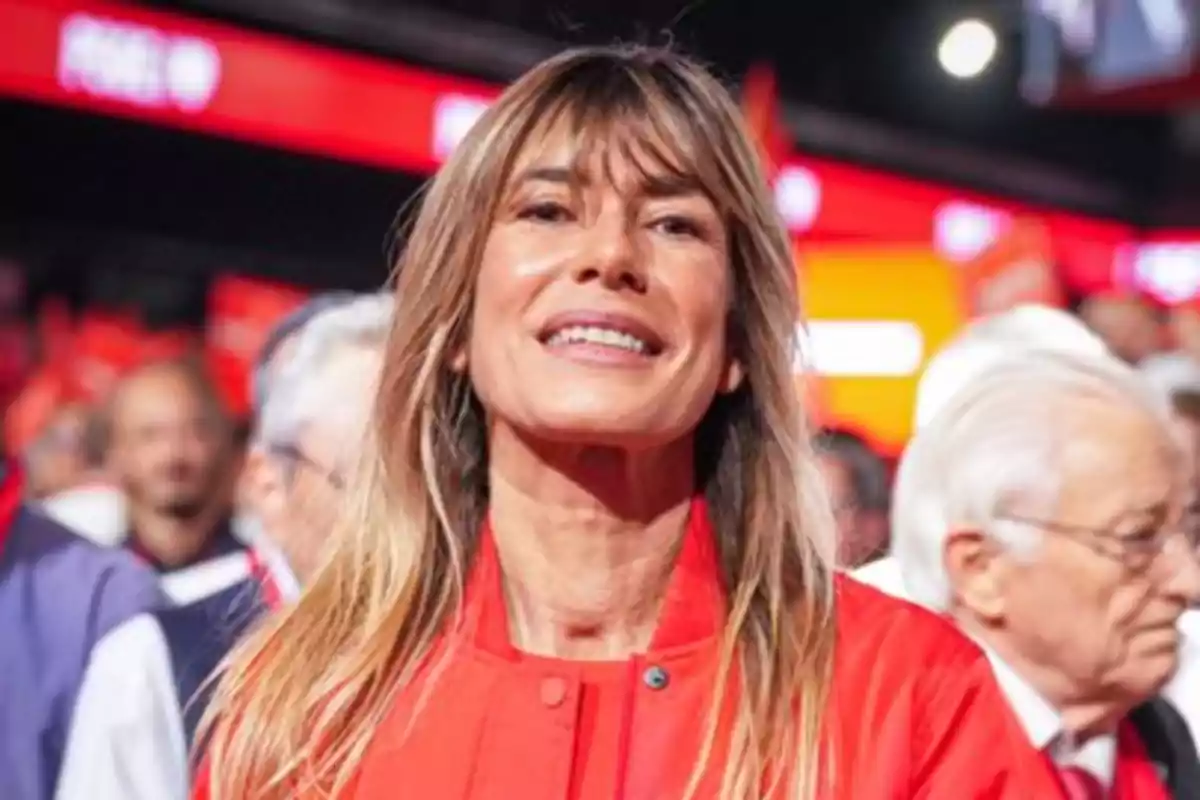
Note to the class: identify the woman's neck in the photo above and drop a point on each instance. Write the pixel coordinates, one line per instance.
(586, 545)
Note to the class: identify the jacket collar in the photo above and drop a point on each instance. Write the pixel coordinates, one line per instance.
(693, 608)
(12, 487)
(1044, 726)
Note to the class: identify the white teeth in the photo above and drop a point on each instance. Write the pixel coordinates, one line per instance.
(586, 334)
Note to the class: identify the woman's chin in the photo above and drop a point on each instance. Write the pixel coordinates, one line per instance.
(601, 429)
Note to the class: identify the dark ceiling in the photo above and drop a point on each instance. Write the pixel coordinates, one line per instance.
(871, 59)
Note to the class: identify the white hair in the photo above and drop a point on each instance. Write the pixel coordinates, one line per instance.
(989, 339)
(299, 392)
(995, 447)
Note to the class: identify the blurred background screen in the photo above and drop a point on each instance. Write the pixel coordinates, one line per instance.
(1110, 51)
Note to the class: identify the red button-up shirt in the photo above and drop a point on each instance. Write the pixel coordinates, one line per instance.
(913, 713)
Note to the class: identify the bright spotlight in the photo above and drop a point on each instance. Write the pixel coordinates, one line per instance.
(967, 48)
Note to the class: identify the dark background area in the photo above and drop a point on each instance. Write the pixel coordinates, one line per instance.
(872, 59)
(107, 210)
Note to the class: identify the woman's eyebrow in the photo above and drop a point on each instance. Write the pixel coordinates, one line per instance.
(549, 174)
(659, 185)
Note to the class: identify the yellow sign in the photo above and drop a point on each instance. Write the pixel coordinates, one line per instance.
(875, 315)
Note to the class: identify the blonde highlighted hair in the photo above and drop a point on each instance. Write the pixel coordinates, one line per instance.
(299, 703)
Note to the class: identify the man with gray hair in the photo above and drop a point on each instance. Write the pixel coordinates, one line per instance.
(310, 426)
(146, 692)
(1041, 508)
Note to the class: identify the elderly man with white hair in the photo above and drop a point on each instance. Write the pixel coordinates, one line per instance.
(969, 355)
(1042, 509)
(146, 691)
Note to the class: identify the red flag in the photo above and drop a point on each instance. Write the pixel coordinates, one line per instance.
(760, 105)
(1016, 268)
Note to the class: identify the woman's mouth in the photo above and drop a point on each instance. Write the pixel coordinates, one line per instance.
(601, 334)
(605, 337)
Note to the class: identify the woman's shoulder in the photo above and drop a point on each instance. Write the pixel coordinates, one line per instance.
(882, 630)
(926, 694)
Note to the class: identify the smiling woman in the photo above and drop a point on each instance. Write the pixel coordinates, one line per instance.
(588, 553)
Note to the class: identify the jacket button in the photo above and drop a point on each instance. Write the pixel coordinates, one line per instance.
(656, 678)
(553, 692)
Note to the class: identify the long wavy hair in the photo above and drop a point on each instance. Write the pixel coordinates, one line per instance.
(299, 702)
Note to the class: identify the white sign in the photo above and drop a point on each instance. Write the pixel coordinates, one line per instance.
(453, 117)
(962, 231)
(798, 197)
(1169, 271)
(860, 348)
(137, 64)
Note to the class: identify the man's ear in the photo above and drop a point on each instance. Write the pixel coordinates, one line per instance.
(974, 566)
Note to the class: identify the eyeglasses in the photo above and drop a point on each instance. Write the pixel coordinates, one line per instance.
(1138, 551)
(297, 457)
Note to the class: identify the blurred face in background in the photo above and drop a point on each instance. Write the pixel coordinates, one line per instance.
(851, 471)
(1128, 325)
(56, 461)
(171, 445)
(296, 488)
(839, 482)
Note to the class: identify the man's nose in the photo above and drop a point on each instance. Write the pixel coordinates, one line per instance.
(1184, 580)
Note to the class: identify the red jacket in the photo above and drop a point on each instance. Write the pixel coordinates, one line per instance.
(1136, 777)
(914, 712)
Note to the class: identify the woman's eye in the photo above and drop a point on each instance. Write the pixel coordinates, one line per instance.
(545, 211)
(679, 226)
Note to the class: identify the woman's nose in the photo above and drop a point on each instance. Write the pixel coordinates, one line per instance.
(612, 256)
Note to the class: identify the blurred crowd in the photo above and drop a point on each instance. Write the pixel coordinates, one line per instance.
(232, 514)
(225, 515)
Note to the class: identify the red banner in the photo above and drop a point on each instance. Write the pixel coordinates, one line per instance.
(827, 201)
(123, 61)
(168, 69)
(106, 346)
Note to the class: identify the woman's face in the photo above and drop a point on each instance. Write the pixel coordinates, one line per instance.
(601, 303)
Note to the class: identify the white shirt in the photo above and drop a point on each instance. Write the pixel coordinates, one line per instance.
(127, 740)
(1043, 725)
(882, 574)
(96, 512)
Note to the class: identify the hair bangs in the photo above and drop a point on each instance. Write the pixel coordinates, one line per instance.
(633, 120)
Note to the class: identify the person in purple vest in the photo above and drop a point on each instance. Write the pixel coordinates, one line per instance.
(146, 690)
(60, 597)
